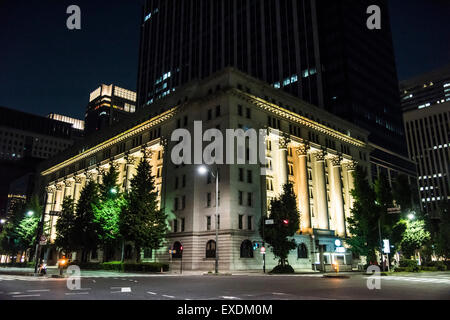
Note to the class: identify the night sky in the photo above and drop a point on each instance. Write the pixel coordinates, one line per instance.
(44, 67)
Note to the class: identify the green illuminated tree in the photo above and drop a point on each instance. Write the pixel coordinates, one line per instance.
(66, 237)
(285, 214)
(414, 237)
(141, 221)
(363, 224)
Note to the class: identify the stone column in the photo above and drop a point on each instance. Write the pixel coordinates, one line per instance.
(101, 173)
(48, 204)
(57, 207)
(130, 168)
(282, 160)
(68, 192)
(351, 167)
(321, 187)
(303, 188)
(337, 200)
(77, 188)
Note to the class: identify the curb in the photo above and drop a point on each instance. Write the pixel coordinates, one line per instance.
(336, 276)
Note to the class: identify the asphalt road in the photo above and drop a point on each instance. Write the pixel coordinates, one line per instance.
(434, 286)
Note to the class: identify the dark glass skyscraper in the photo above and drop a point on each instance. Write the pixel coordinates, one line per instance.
(320, 51)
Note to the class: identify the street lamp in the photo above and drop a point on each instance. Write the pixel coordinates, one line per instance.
(30, 213)
(2, 221)
(113, 190)
(411, 216)
(205, 170)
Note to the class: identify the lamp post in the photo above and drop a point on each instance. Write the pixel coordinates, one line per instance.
(204, 170)
(38, 237)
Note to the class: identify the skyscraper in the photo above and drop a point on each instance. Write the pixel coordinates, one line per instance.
(426, 89)
(319, 51)
(107, 106)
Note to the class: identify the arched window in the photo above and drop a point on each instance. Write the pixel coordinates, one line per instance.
(211, 249)
(178, 250)
(302, 251)
(246, 249)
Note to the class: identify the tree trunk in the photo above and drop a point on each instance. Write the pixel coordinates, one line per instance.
(138, 254)
(123, 251)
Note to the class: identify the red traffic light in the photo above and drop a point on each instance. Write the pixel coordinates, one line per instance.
(286, 222)
(181, 248)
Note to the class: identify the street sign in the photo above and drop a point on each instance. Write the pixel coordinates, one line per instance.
(263, 250)
(386, 246)
(270, 222)
(394, 210)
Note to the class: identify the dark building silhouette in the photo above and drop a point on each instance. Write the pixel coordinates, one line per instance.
(319, 51)
(25, 140)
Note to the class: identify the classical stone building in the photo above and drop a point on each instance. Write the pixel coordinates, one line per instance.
(305, 145)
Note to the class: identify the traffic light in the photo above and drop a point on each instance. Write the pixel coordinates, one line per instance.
(181, 248)
(256, 245)
(285, 222)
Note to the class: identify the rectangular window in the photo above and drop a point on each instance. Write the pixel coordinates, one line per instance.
(208, 223)
(209, 114)
(241, 174)
(182, 224)
(208, 199)
(240, 110)
(249, 113)
(175, 204)
(241, 221)
(175, 225)
(249, 223)
(249, 176)
(184, 181)
(218, 111)
(241, 198)
(218, 221)
(183, 202)
(176, 183)
(249, 199)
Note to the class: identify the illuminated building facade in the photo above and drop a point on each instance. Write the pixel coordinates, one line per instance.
(108, 105)
(428, 136)
(305, 145)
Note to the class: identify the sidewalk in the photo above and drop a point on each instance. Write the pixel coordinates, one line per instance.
(54, 272)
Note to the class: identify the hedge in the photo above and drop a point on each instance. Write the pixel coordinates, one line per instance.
(123, 267)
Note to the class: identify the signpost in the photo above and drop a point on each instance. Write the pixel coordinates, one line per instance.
(387, 250)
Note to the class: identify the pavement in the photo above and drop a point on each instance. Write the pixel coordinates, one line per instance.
(99, 285)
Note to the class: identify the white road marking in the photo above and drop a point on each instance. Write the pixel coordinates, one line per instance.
(231, 298)
(152, 293)
(128, 289)
(75, 293)
(27, 296)
(15, 292)
(41, 290)
(171, 297)
(278, 293)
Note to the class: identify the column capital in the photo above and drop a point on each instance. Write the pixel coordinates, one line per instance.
(320, 155)
(147, 152)
(89, 175)
(336, 161)
(68, 183)
(59, 186)
(351, 165)
(283, 143)
(102, 171)
(78, 179)
(130, 160)
(50, 189)
(303, 150)
(114, 164)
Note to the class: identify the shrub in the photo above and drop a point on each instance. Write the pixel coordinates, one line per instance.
(400, 269)
(287, 269)
(425, 268)
(439, 265)
(408, 263)
(123, 267)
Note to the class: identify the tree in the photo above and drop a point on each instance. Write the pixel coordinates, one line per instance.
(414, 237)
(66, 238)
(363, 224)
(86, 230)
(27, 228)
(19, 233)
(108, 209)
(285, 214)
(141, 221)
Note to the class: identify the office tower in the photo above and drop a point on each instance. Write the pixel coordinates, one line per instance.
(25, 140)
(428, 136)
(319, 51)
(108, 105)
(426, 89)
